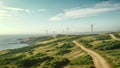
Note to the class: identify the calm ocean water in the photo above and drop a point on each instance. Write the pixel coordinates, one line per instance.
(12, 42)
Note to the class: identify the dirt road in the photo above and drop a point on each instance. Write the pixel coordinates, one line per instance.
(114, 37)
(98, 60)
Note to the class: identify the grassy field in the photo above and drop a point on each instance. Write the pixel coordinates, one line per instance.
(105, 45)
(117, 34)
(53, 53)
(59, 52)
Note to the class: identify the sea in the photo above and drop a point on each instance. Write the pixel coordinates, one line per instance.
(12, 41)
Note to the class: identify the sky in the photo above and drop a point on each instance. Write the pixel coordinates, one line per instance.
(37, 16)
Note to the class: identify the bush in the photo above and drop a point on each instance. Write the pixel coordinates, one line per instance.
(65, 46)
(5, 61)
(86, 42)
(27, 63)
(38, 55)
(102, 37)
(117, 35)
(55, 63)
(64, 49)
(62, 52)
(108, 45)
(83, 60)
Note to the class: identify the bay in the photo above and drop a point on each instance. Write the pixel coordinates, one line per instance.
(12, 41)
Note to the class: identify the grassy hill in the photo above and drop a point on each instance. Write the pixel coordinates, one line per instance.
(59, 52)
(105, 45)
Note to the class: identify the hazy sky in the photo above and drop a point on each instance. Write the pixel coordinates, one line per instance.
(36, 16)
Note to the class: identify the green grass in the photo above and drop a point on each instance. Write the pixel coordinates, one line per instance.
(104, 45)
(108, 45)
(41, 55)
(117, 35)
(60, 51)
(84, 60)
(112, 56)
(55, 63)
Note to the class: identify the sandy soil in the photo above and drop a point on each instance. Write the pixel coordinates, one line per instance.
(114, 37)
(99, 61)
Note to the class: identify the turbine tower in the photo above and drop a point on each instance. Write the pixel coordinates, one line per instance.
(67, 31)
(54, 34)
(92, 26)
(46, 32)
(63, 32)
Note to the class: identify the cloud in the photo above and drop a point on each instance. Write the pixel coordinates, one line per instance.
(3, 13)
(9, 11)
(14, 11)
(102, 7)
(57, 17)
(41, 10)
(1, 3)
(14, 8)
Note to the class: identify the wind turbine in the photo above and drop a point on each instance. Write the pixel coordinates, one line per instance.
(54, 34)
(63, 32)
(67, 31)
(46, 32)
(92, 28)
